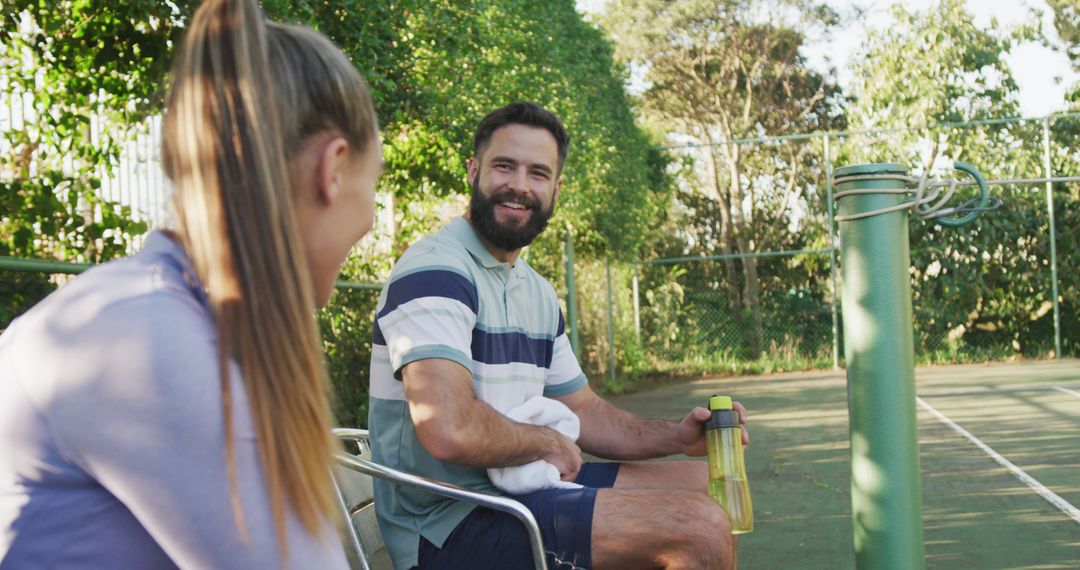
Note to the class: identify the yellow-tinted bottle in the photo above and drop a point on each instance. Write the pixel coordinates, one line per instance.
(727, 469)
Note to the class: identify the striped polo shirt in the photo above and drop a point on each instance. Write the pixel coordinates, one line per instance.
(448, 297)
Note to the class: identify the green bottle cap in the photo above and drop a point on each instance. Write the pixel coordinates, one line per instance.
(718, 402)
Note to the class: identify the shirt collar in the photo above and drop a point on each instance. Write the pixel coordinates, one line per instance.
(160, 244)
(463, 231)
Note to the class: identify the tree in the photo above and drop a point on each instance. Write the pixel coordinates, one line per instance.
(1066, 162)
(469, 58)
(982, 288)
(75, 60)
(434, 67)
(1067, 23)
(723, 70)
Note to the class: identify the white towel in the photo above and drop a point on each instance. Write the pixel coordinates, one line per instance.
(539, 474)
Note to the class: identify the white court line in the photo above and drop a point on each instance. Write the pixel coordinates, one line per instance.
(1067, 391)
(1052, 497)
(999, 390)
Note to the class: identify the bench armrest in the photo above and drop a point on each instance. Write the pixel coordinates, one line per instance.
(498, 502)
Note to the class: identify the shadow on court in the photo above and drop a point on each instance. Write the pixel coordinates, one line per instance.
(976, 513)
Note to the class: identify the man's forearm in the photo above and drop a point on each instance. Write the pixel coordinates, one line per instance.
(453, 425)
(612, 433)
(485, 438)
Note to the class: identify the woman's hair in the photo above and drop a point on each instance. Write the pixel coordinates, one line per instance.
(246, 95)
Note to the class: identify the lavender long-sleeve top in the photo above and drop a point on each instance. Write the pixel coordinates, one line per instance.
(112, 445)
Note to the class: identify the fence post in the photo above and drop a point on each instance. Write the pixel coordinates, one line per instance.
(832, 257)
(571, 298)
(637, 307)
(1053, 236)
(610, 323)
(886, 496)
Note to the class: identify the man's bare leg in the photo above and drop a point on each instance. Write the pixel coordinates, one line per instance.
(658, 515)
(688, 475)
(660, 528)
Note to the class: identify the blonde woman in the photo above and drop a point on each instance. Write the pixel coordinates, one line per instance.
(170, 409)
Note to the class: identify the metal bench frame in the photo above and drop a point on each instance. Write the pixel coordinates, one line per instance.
(370, 468)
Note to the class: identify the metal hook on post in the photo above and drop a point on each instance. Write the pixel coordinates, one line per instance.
(982, 203)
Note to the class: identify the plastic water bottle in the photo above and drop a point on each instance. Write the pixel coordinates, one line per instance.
(727, 469)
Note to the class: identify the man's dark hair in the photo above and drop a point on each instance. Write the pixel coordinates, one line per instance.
(522, 113)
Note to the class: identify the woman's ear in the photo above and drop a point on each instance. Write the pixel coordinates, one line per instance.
(331, 170)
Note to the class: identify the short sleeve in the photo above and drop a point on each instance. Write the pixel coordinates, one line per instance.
(427, 312)
(565, 375)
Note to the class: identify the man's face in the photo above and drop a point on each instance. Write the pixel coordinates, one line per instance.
(514, 186)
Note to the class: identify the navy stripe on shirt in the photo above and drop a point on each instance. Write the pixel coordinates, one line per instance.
(376, 335)
(507, 347)
(500, 348)
(431, 283)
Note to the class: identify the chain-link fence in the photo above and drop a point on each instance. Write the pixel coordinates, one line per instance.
(698, 311)
(749, 276)
(720, 294)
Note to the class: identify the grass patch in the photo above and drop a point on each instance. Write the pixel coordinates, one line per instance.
(661, 372)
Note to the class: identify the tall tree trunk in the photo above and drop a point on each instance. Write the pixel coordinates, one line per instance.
(726, 233)
(751, 288)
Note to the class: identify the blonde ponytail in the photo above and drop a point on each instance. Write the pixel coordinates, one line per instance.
(225, 150)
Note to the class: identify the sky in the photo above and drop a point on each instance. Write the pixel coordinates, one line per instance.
(1044, 75)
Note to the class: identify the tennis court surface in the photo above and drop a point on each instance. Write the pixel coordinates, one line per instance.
(1000, 453)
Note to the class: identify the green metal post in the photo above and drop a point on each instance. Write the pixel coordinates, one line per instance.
(66, 267)
(886, 496)
(42, 265)
(610, 323)
(1053, 236)
(571, 298)
(832, 257)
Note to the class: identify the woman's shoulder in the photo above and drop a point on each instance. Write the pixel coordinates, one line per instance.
(129, 321)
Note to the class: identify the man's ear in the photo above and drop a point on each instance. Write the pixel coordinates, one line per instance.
(473, 168)
(558, 186)
(331, 170)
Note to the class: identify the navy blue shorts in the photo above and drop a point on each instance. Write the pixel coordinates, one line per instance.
(493, 540)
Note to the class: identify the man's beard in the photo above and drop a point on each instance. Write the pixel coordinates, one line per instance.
(482, 215)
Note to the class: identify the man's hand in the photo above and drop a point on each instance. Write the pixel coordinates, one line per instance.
(566, 456)
(691, 430)
(612, 433)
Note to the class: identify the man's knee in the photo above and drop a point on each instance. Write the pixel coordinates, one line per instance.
(711, 522)
(710, 542)
(674, 529)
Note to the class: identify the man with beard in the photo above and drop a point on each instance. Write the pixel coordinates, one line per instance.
(465, 331)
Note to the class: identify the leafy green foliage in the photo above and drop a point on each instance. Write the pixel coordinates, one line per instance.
(985, 286)
(1067, 23)
(76, 61)
(19, 292)
(712, 70)
(434, 67)
(933, 67)
(1066, 161)
(725, 70)
(982, 291)
(437, 67)
(346, 333)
